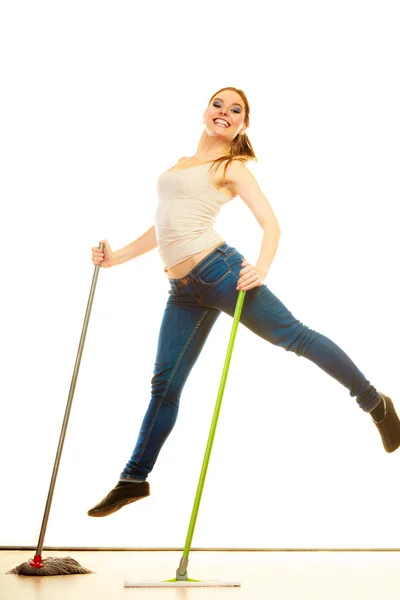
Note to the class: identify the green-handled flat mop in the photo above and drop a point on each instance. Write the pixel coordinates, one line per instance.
(181, 579)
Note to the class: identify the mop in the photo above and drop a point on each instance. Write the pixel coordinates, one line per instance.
(59, 565)
(181, 579)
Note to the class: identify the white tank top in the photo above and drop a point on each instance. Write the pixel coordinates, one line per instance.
(188, 204)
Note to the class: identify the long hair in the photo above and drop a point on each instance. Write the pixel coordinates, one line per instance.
(241, 148)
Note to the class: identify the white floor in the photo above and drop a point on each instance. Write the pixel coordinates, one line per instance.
(263, 575)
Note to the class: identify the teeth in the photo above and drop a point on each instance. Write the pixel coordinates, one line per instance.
(224, 123)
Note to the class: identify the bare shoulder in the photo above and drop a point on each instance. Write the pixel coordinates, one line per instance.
(183, 158)
(237, 168)
(237, 174)
(244, 184)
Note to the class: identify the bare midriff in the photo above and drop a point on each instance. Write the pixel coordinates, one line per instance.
(183, 268)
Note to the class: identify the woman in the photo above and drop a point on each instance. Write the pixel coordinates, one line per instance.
(205, 274)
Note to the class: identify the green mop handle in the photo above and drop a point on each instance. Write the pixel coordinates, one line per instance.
(181, 571)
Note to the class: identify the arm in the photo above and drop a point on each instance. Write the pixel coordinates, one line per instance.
(268, 250)
(243, 183)
(143, 244)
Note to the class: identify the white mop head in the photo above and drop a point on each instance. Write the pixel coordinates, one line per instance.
(182, 583)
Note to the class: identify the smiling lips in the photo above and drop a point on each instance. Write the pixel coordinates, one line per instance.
(226, 124)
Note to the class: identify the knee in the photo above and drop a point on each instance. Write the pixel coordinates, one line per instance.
(300, 340)
(164, 391)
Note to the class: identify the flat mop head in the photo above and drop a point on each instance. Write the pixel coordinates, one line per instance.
(187, 583)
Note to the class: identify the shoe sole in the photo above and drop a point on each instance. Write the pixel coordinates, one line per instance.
(108, 510)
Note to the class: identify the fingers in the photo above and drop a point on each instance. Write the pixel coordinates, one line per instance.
(97, 255)
(245, 284)
(248, 277)
(245, 275)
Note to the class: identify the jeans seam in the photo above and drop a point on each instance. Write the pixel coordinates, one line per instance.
(222, 253)
(206, 264)
(224, 276)
(178, 362)
(224, 258)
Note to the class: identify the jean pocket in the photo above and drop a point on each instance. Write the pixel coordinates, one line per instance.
(234, 263)
(213, 272)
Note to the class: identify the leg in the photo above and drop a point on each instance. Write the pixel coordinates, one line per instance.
(213, 283)
(264, 314)
(184, 330)
(269, 318)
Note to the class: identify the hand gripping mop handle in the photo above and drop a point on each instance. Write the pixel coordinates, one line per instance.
(37, 561)
(181, 573)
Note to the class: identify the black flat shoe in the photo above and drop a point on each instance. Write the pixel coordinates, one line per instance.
(389, 426)
(118, 497)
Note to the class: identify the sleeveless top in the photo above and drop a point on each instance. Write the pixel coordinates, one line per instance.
(188, 204)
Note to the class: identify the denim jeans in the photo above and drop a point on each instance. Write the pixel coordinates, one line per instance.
(194, 304)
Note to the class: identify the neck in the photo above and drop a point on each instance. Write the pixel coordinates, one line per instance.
(210, 147)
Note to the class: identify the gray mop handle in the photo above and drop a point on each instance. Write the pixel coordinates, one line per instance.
(68, 409)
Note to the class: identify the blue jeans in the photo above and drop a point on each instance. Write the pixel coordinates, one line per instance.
(194, 304)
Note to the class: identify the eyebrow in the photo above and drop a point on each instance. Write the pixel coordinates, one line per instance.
(234, 103)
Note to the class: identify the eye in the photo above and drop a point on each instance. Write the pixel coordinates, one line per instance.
(218, 105)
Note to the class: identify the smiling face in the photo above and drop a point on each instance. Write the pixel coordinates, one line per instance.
(225, 115)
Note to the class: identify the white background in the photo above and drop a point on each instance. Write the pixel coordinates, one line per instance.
(98, 98)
